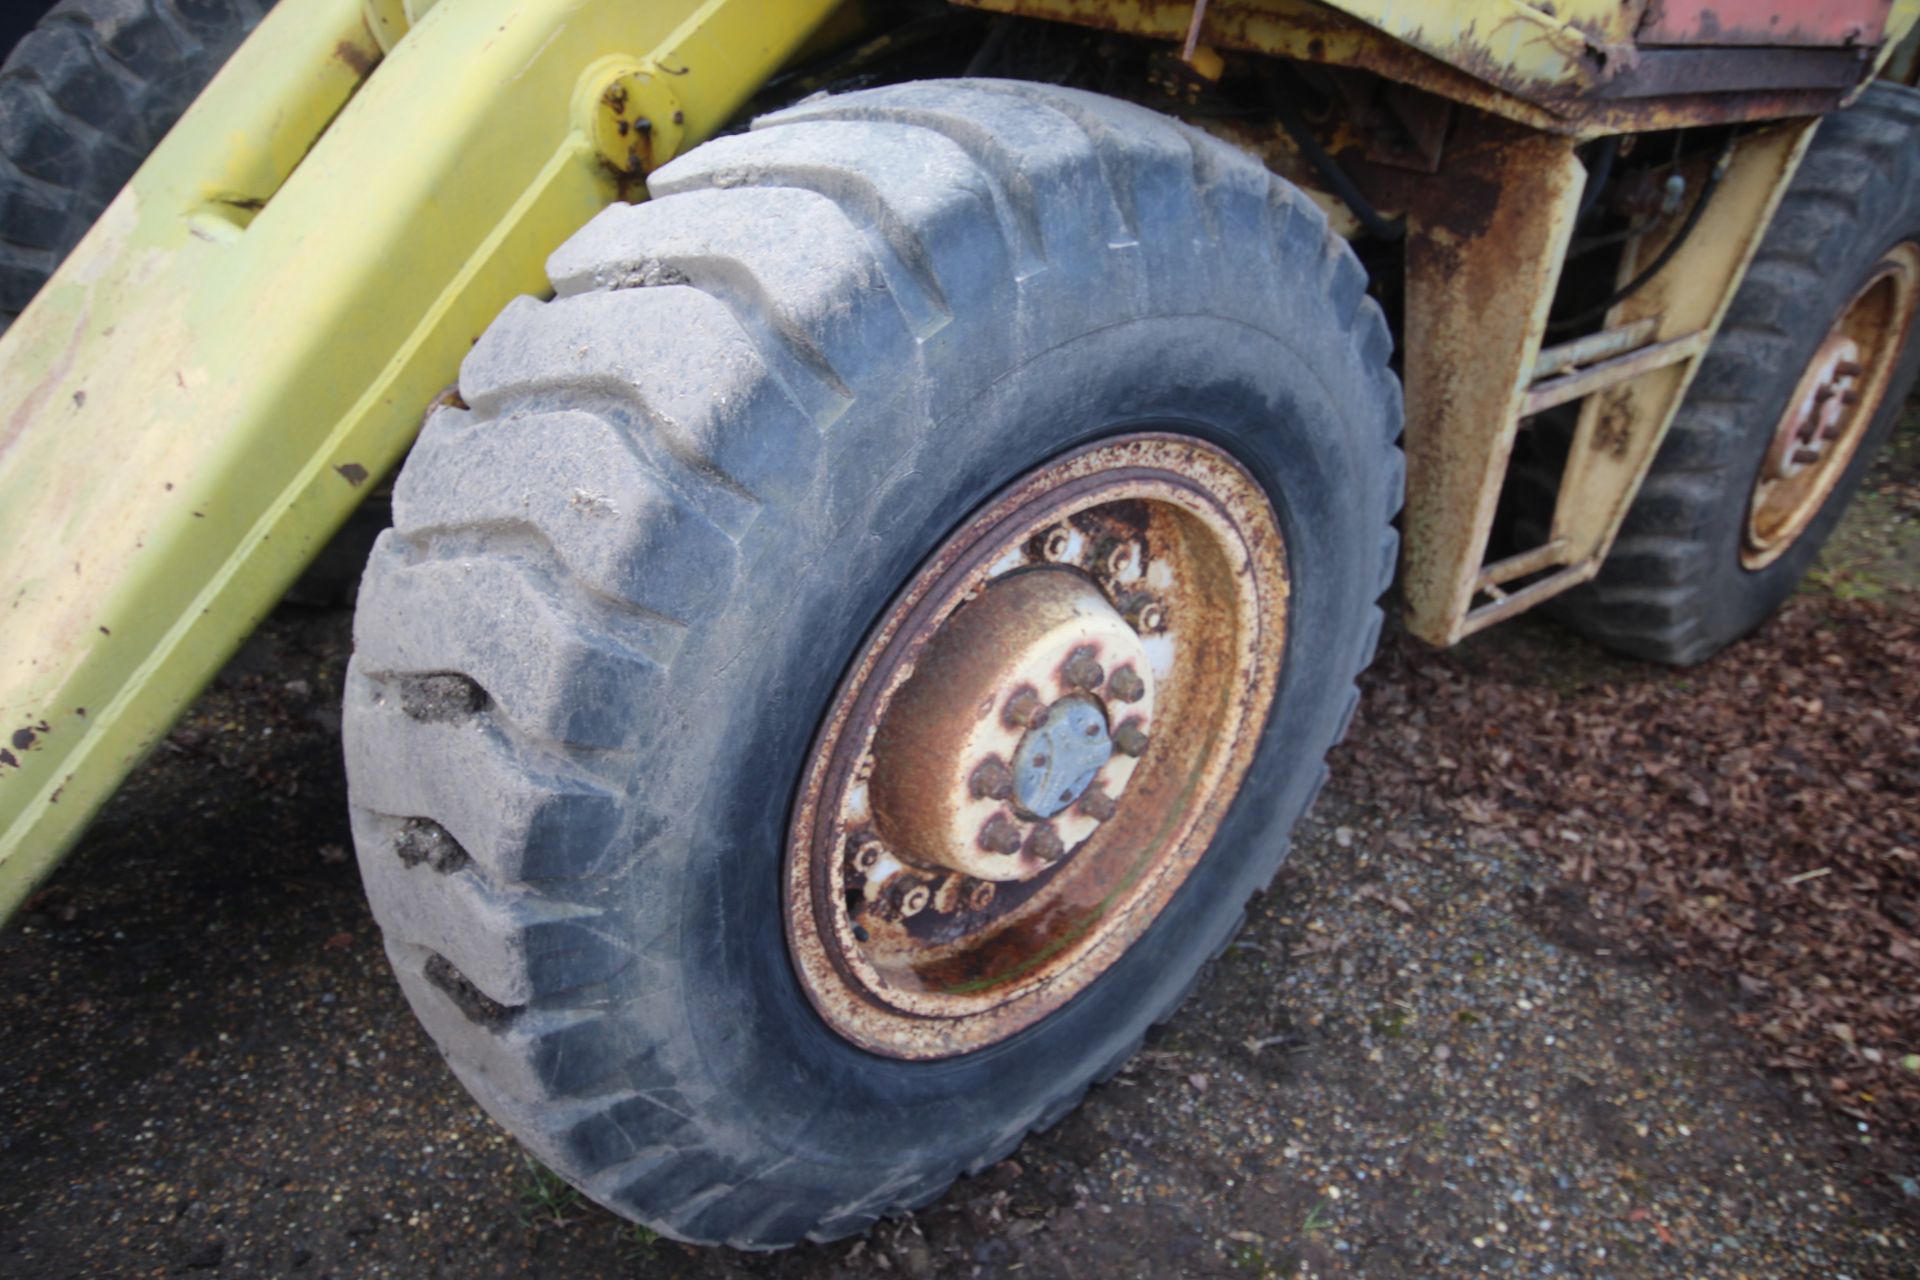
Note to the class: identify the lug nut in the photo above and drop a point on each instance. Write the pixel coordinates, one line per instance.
(991, 780)
(1849, 397)
(1130, 739)
(1145, 614)
(1846, 369)
(1120, 559)
(1000, 835)
(1045, 844)
(979, 895)
(1024, 710)
(1126, 685)
(912, 899)
(1081, 671)
(1097, 804)
(1806, 457)
(1056, 542)
(866, 853)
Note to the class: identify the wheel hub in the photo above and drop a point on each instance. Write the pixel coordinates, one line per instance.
(1833, 408)
(1036, 746)
(1008, 720)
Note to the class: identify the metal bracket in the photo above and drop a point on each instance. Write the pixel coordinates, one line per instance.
(635, 120)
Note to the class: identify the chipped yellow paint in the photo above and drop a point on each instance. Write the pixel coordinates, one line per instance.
(249, 336)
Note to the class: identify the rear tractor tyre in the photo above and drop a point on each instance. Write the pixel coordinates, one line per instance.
(1801, 387)
(868, 636)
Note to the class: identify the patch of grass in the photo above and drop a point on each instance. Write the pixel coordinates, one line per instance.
(1390, 1022)
(636, 1242)
(546, 1198)
(1316, 1221)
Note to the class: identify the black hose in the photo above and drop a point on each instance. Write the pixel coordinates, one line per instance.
(1633, 286)
(1329, 170)
(1597, 176)
(990, 47)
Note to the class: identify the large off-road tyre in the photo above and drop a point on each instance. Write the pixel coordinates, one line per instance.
(1718, 537)
(84, 97)
(625, 583)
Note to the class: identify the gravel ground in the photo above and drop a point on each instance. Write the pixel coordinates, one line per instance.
(1425, 1056)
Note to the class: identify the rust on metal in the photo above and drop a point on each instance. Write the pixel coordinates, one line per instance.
(1833, 408)
(1592, 347)
(1621, 428)
(1614, 370)
(1013, 737)
(1611, 84)
(1485, 244)
(1764, 22)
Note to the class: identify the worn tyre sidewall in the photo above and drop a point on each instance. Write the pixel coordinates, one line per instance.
(796, 1086)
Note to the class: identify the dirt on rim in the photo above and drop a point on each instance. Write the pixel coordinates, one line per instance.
(1519, 1004)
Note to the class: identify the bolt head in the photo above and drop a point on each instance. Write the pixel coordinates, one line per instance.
(1081, 670)
(1146, 615)
(1130, 739)
(1045, 843)
(1125, 685)
(1056, 542)
(980, 895)
(1097, 804)
(1000, 834)
(913, 900)
(1024, 710)
(991, 780)
(866, 853)
(1120, 559)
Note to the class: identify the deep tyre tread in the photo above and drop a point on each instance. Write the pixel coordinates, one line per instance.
(592, 653)
(1673, 589)
(83, 98)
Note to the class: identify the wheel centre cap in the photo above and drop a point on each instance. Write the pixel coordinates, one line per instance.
(1011, 742)
(1059, 758)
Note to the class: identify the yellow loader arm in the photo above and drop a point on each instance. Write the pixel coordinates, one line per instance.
(249, 336)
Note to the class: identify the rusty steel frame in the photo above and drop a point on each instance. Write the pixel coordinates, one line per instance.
(1484, 254)
(1490, 216)
(1576, 68)
(1469, 390)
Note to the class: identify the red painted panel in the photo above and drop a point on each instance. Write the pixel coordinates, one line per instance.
(1782, 22)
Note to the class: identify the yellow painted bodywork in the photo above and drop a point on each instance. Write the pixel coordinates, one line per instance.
(1543, 65)
(248, 337)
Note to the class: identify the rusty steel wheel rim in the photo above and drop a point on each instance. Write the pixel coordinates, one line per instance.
(1832, 409)
(1036, 746)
